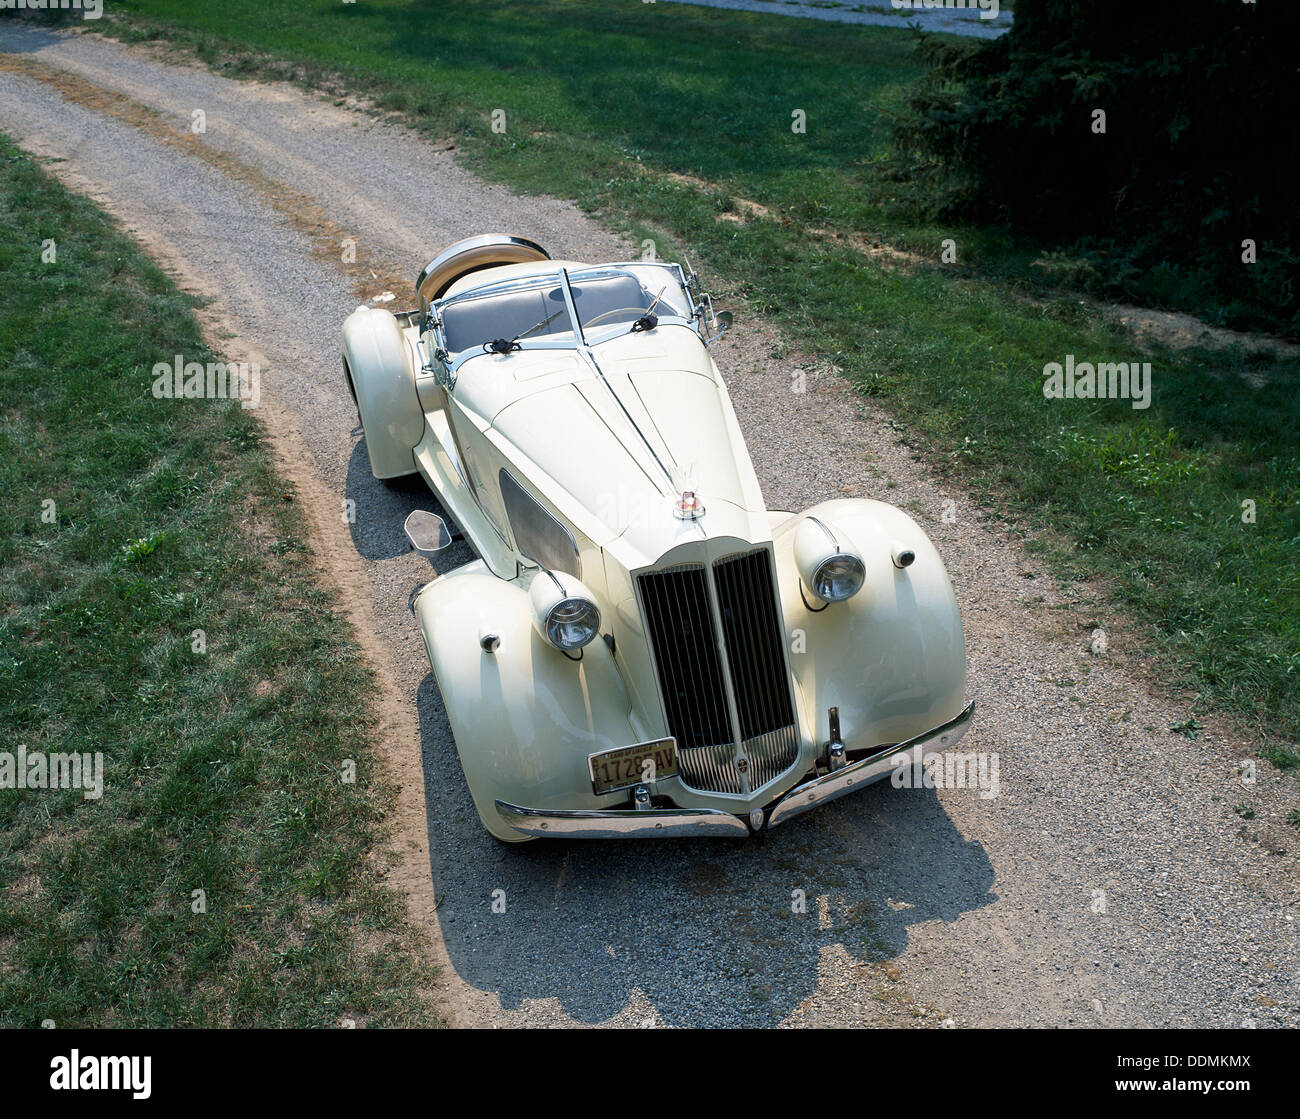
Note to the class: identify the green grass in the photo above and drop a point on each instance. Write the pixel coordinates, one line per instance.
(222, 769)
(1142, 506)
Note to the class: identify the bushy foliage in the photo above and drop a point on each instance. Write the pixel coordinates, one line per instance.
(1196, 156)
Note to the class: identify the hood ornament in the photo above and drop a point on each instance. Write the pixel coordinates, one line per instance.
(688, 507)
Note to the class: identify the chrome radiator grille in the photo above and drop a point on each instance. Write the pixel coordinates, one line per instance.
(696, 686)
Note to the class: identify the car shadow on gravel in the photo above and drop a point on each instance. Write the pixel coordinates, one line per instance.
(379, 509)
(709, 932)
(29, 37)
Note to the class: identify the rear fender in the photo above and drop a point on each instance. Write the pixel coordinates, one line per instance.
(379, 369)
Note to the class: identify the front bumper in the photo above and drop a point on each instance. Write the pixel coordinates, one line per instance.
(869, 770)
(623, 823)
(672, 823)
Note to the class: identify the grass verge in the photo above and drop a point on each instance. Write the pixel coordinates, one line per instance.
(158, 607)
(1149, 507)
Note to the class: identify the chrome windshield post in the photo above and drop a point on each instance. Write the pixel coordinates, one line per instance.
(572, 304)
(690, 281)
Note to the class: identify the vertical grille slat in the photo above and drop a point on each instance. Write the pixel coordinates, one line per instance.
(694, 683)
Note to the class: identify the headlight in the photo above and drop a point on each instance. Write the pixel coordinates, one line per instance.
(838, 578)
(828, 563)
(572, 623)
(564, 611)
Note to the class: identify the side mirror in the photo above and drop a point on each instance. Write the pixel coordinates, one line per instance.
(722, 322)
(427, 533)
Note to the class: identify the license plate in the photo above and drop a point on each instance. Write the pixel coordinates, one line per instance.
(633, 765)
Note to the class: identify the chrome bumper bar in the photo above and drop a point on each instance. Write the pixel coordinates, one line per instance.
(673, 823)
(630, 823)
(852, 777)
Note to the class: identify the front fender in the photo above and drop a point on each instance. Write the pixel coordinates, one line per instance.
(524, 717)
(893, 657)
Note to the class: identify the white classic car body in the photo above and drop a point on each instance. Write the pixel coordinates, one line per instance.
(573, 424)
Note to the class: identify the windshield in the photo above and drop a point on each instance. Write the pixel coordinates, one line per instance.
(608, 300)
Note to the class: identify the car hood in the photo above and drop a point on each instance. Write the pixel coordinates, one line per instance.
(613, 442)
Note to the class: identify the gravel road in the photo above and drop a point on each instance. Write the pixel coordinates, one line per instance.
(1110, 883)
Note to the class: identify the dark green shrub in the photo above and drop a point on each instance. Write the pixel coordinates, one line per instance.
(1200, 103)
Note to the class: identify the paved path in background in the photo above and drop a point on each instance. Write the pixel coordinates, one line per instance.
(1110, 883)
(956, 21)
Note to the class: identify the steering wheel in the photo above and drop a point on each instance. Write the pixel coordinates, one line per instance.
(638, 311)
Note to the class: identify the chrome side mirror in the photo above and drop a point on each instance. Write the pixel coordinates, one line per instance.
(722, 322)
(427, 533)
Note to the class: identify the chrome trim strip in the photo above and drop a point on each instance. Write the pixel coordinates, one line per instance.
(585, 351)
(829, 535)
(657, 823)
(853, 777)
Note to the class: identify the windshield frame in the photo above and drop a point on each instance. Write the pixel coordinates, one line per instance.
(578, 337)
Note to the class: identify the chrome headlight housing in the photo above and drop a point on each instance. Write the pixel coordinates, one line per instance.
(572, 623)
(829, 565)
(564, 611)
(838, 577)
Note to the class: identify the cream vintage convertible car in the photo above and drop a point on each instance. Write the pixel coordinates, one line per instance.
(641, 648)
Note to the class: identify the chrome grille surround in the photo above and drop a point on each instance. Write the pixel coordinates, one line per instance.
(718, 646)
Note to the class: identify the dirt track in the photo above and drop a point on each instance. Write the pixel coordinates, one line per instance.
(1110, 883)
